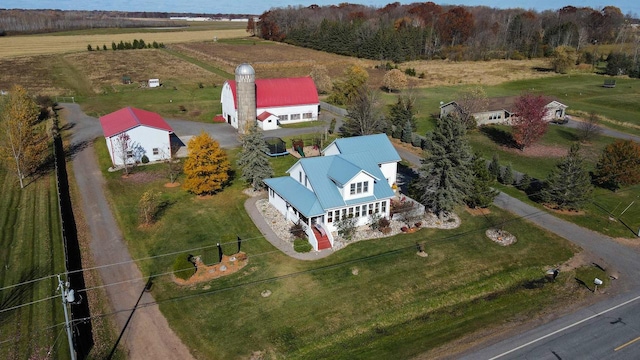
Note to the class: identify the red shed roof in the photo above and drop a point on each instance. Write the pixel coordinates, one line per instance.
(128, 118)
(264, 116)
(282, 92)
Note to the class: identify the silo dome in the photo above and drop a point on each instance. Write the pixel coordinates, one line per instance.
(245, 69)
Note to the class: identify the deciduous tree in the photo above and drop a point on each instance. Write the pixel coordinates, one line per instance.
(529, 124)
(22, 141)
(320, 76)
(345, 89)
(564, 59)
(588, 129)
(394, 80)
(253, 159)
(470, 101)
(619, 165)
(443, 180)
(207, 166)
(568, 186)
(148, 206)
(364, 115)
(123, 150)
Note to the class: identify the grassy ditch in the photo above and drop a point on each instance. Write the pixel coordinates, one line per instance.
(398, 303)
(31, 255)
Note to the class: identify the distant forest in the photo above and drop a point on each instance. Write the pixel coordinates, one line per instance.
(426, 30)
(17, 21)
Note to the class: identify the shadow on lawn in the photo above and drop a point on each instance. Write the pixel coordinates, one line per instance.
(499, 136)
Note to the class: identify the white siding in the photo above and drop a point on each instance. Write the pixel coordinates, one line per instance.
(143, 141)
(294, 109)
(278, 202)
(361, 178)
(332, 149)
(228, 105)
(390, 172)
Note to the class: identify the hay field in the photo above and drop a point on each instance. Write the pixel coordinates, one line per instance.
(271, 59)
(16, 46)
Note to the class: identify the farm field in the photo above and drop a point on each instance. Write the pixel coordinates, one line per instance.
(397, 304)
(28, 45)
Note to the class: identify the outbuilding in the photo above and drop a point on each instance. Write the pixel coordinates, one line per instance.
(279, 101)
(132, 134)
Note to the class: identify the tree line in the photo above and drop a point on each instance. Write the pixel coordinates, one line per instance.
(426, 30)
(18, 21)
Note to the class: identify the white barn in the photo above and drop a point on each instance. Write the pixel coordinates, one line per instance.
(278, 101)
(148, 134)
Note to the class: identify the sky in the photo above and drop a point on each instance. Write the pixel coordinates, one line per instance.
(259, 6)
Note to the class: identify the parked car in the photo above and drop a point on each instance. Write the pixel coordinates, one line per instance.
(561, 121)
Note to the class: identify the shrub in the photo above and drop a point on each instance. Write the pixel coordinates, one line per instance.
(383, 223)
(301, 245)
(416, 141)
(183, 268)
(298, 231)
(347, 227)
(374, 223)
(332, 126)
(145, 159)
(410, 71)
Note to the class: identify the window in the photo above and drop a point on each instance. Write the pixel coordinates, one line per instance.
(384, 206)
(295, 116)
(156, 151)
(300, 177)
(359, 188)
(283, 117)
(330, 216)
(307, 115)
(129, 153)
(370, 209)
(377, 207)
(344, 214)
(358, 211)
(350, 212)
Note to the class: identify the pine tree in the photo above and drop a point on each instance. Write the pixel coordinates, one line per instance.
(207, 166)
(494, 166)
(568, 186)
(482, 194)
(506, 175)
(253, 159)
(401, 112)
(443, 180)
(407, 132)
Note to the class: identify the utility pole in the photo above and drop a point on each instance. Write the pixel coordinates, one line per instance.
(68, 296)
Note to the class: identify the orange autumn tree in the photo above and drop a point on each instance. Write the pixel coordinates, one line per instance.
(207, 166)
(619, 165)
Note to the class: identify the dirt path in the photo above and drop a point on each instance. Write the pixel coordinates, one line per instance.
(148, 335)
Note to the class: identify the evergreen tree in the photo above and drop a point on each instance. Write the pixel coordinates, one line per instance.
(506, 175)
(444, 175)
(407, 132)
(525, 182)
(568, 186)
(401, 112)
(207, 166)
(482, 194)
(253, 159)
(494, 167)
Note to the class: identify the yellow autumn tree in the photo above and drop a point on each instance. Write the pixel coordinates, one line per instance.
(207, 166)
(22, 139)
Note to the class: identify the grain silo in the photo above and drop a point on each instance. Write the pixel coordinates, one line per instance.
(246, 82)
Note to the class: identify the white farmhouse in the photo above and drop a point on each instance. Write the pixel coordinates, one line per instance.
(278, 101)
(354, 177)
(133, 133)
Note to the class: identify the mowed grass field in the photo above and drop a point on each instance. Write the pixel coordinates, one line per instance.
(31, 252)
(397, 304)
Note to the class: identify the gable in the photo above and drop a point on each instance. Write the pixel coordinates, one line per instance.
(128, 118)
(377, 146)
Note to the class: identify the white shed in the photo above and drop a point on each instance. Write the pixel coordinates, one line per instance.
(154, 83)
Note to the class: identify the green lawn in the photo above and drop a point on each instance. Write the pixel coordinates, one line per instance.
(583, 93)
(31, 248)
(399, 304)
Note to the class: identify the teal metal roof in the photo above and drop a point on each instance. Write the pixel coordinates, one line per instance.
(377, 145)
(327, 174)
(301, 198)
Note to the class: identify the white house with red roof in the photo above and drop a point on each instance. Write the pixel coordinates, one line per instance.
(148, 134)
(278, 101)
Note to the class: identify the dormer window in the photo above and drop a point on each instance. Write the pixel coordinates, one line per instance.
(359, 188)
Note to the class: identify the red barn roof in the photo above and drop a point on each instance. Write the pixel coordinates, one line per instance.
(282, 92)
(128, 118)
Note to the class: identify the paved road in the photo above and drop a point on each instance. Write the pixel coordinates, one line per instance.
(148, 335)
(574, 123)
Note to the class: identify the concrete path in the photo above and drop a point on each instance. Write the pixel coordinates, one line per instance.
(148, 335)
(269, 235)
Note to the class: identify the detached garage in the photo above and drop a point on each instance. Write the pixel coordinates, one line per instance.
(133, 133)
